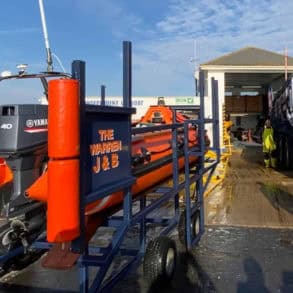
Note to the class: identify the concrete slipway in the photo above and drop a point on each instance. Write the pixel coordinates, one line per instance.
(247, 245)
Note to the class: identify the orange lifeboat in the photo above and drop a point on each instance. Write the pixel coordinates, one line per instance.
(147, 148)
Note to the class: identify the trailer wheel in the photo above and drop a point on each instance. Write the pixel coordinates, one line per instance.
(194, 226)
(195, 220)
(160, 260)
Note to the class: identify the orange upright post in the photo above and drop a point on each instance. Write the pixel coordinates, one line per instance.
(63, 167)
(63, 126)
(63, 200)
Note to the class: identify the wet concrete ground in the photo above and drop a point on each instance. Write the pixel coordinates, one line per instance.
(229, 259)
(251, 195)
(248, 242)
(247, 245)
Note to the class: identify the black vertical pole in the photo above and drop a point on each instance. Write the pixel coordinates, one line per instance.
(103, 94)
(78, 72)
(127, 74)
(196, 87)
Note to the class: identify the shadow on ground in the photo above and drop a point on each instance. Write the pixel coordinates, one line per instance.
(278, 197)
(287, 282)
(189, 277)
(254, 278)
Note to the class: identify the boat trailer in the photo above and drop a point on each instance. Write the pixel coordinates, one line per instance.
(115, 173)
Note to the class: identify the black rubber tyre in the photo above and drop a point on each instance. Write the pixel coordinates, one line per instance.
(195, 223)
(160, 261)
(194, 226)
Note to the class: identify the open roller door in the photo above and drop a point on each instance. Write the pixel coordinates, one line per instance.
(245, 77)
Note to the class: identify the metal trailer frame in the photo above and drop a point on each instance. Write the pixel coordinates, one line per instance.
(122, 224)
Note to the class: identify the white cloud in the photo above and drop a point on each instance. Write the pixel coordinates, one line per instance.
(163, 50)
(219, 27)
(234, 21)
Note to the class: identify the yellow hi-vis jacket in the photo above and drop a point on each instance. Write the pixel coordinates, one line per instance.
(228, 124)
(268, 143)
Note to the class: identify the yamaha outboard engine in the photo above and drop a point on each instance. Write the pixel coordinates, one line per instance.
(23, 145)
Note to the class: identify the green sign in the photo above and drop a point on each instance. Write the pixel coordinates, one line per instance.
(184, 101)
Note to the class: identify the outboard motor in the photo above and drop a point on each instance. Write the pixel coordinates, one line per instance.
(23, 146)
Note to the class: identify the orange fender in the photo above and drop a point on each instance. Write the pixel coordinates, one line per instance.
(39, 189)
(6, 174)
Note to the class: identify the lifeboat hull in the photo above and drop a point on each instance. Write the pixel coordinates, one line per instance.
(158, 146)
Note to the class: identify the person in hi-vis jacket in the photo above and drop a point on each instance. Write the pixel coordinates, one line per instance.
(269, 145)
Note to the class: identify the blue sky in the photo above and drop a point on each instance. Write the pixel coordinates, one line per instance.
(162, 34)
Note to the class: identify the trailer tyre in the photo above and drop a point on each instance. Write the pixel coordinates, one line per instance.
(160, 261)
(194, 226)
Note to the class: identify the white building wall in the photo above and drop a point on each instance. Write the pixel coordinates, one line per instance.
(141, 103)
